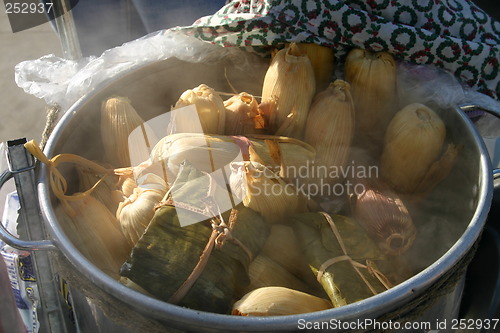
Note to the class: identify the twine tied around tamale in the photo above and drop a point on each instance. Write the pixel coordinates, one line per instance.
(220, 233)
(57, 181)
(369, 266)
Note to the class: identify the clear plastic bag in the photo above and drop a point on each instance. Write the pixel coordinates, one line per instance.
(428, 84)
(63, 82)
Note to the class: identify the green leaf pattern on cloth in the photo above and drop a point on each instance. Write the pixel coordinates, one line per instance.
(452, 34)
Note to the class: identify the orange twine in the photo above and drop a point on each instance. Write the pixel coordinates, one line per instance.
(57, 181)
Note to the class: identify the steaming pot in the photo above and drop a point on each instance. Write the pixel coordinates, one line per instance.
(431, 295)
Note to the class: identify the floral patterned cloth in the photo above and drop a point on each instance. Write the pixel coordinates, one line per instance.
(451, 34)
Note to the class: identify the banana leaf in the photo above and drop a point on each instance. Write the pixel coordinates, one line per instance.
(351, 275)
(167, 253)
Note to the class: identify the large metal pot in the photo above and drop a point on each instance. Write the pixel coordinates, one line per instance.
(431, 295)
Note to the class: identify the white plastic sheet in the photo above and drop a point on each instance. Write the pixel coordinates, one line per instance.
(63, 81)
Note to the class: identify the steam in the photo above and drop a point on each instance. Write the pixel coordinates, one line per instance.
(440, 218)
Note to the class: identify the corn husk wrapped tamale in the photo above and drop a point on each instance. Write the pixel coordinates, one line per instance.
(290, 85)
(278, 301)
(95, 232)
(205, 152)
(92, 228)
(439, 170)
(413, 142)
(265, 272)
(341, 255)
(289, 158)
(137, 209)
(373, 86)
(212, 152)
(104, 191)
(209, 107)
(384, 216)
(199, 265)
(118, 120)
(283, 247)
(243, 115)
(323, 62)
(128, 185)
(330, 129)
(261, 190)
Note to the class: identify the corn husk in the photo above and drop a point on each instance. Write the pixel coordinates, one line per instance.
(89, 224)
(104, 190)
(283, 248)
(128, 186)
(330, 128)
(289, 83)
(278, 301)
(209, 106)
(118, 120)
(243, 115)
(94, 231)
(137, 210)
(323, 62)
(373, 85)
(266, 193)
(287, 157)
(384, 216)
(413, 142)
(207, 153)
(213, 152)
(439, 170)
(265, 272)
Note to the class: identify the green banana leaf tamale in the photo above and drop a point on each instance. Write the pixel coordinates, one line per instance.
(341, 255)
(198, 265)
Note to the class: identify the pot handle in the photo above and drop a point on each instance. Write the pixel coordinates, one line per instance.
(7, 237)
(491, 109)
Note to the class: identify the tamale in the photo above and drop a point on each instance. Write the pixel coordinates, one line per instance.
(330, 130)
(261, 190)
(322, 59)
(208, 153)
(290, 158)
(104, 190)
(372, 76)
(118, 120)
(209, 107)
(92, 228)
(283, 247)
(341, 255)
(265, 272)
(205, 152)
(384, 216)
(95, 233)
(413, 142)
(278, 301)
(193, 266)
(128, 185)
(439, 170)
(290, 85)
(135, 212)
(243, 115)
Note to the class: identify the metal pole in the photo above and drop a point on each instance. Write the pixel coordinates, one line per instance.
(67, 30)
